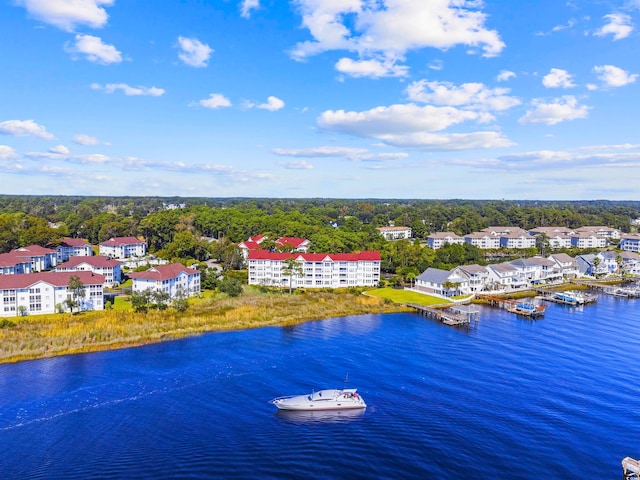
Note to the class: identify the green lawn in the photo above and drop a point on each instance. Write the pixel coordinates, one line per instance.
(406, 296)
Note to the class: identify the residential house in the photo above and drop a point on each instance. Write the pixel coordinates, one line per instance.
(395, 233)
(477, 276)
(11, 264)
(610, 260)
(566, 263)
(73, 247)
(444, 283)
(109, 268)
(171, 279)
(630, 243)
(123, 247)
(47, 292)
(438, 239)
(537, 270)
(590, 264)
(317, 270)
(504, 276)
(630, 263)
(483, 240)
(41, 258)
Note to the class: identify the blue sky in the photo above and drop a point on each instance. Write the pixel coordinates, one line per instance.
(526, 99)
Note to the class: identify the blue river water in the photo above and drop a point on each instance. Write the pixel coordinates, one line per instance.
(506, 398)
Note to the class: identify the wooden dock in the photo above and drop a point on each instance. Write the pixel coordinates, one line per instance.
(514, 306)
(452, 315)
(631, 468)
(571, 298)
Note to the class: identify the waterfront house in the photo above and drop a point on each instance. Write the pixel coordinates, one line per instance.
(109, 268)
(316, 270)
(171, 279)
(441, 282)
(395, 233)
(11, 264)
(567, 264)
(630, 263)
(591, 265)
(73, 247)
(505, 276)
(630, 243)
(47, 292)
(537, 270)
(438, 239)
(41, 258)
(123, 247)
(476, 275)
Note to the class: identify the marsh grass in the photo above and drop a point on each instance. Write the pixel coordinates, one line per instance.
(40, 336)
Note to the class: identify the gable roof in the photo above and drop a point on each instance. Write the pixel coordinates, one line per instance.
(97, 261)
(315, 257)
(57, 279)
(434, 275)
(11, 260)
(74, 242)
(163, 272)
(33, 251)
(119, 241)
(291, 241)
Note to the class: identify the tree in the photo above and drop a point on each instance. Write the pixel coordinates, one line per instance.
(231, 286)
(180, 302)
(75, 293)
(290, 269)
(140, 300)
(159, 299)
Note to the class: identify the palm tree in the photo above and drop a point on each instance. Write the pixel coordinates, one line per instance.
(290, 269)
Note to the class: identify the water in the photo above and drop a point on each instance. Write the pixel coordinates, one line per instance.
(506, 398)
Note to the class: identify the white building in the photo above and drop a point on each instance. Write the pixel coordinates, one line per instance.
(588, 240)
(73, 247)
(504, 276)
(395, 233)
(442, 282)
(109, 268)
(316, 270)
(41, 258)
(438, 239)
(123, 247)
(536, 270)
(39, 293)
(567, 264)
(11, 264)
(477, 276)
(169, 279)
(483, 240)
(630, 243)
(518, 240)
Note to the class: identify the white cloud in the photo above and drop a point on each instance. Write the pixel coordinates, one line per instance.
(67, 14)
(619, 26)
(82, 139)
(194, 53)
(505, 75)
(558, 78)
(273, 104)
(388, 30)
(24, 128)
(546, 159)
(339, 152)
(128, 90)
(247, 5)
(613, 76)
(7, 152)
(371, 68)
(559, 110)
(60, 150)
(296, 165)
(94, 50)
(472, 95)
(215, 100)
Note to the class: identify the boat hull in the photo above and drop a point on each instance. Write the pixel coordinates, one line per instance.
(322, 400)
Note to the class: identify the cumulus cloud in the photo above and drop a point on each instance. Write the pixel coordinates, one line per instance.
(128, 90)
(505, 75)
(59, 150)
(296, 165)
(82, 139)
(7, 153)
(619, 26)
(559, 110)
(411, 126)
(388, 30)
(215, 100)
(471, 95)
(24, 128)
(371, 68)
(94, 50)
(68, 14)
(193, 52)
(613, 76)
(246, 6)
(272, 104)
(558, 78)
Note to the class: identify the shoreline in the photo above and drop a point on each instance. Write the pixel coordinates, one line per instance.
(48, 336)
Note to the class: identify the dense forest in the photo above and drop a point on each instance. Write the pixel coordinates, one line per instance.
(332, 225)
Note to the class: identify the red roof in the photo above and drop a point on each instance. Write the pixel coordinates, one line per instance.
(74, 242)
(315, 257)
(117, 241)
(256, 239)
(33, 251)
(163, 272)
(11, 260)
(97, 261)
(249, 245)
(291, 241)
(57, 279)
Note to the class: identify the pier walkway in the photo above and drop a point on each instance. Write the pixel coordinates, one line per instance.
(454, 316)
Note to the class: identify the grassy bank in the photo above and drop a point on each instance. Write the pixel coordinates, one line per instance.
(41, 336)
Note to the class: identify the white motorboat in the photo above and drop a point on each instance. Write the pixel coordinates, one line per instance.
(344, 399)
